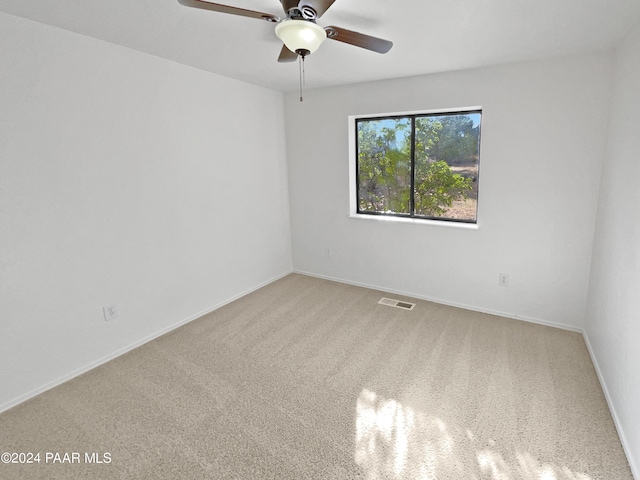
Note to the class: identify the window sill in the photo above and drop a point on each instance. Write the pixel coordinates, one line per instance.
(416, 221)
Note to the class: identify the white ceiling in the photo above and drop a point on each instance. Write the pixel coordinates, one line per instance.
(429, 35)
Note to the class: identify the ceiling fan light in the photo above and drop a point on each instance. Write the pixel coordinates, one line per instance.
(300, 35)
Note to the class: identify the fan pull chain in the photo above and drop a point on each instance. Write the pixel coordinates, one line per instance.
(301, 69)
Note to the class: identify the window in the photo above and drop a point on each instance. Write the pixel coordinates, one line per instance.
(419, 166)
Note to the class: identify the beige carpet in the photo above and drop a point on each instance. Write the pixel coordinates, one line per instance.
(307, 378)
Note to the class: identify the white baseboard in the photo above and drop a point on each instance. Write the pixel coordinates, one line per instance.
(447, 302)
(121, 351)
(635, 470)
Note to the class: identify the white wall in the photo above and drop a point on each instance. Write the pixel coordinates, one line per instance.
(543, 134)
(125, 179)
(613, 309)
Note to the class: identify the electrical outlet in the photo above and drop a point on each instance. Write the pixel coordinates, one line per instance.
(110, 312)
(503, 280)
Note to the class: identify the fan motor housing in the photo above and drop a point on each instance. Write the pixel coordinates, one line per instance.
(308, 12)
(303, 13)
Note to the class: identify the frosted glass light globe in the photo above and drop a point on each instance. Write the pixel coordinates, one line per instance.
(301, 35)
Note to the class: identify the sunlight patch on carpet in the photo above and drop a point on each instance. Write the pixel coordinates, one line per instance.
(397, 441)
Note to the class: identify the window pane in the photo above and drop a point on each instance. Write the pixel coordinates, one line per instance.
(384, 165)
(446, 166)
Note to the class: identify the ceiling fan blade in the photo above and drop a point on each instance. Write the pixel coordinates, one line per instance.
(320, 6)
(287, 55)
(216, 7)
(374, 44)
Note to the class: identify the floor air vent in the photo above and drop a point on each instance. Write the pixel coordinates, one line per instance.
(390, 302)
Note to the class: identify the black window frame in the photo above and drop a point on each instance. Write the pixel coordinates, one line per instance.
(412, 117)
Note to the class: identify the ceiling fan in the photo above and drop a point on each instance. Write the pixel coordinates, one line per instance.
(298, 30)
